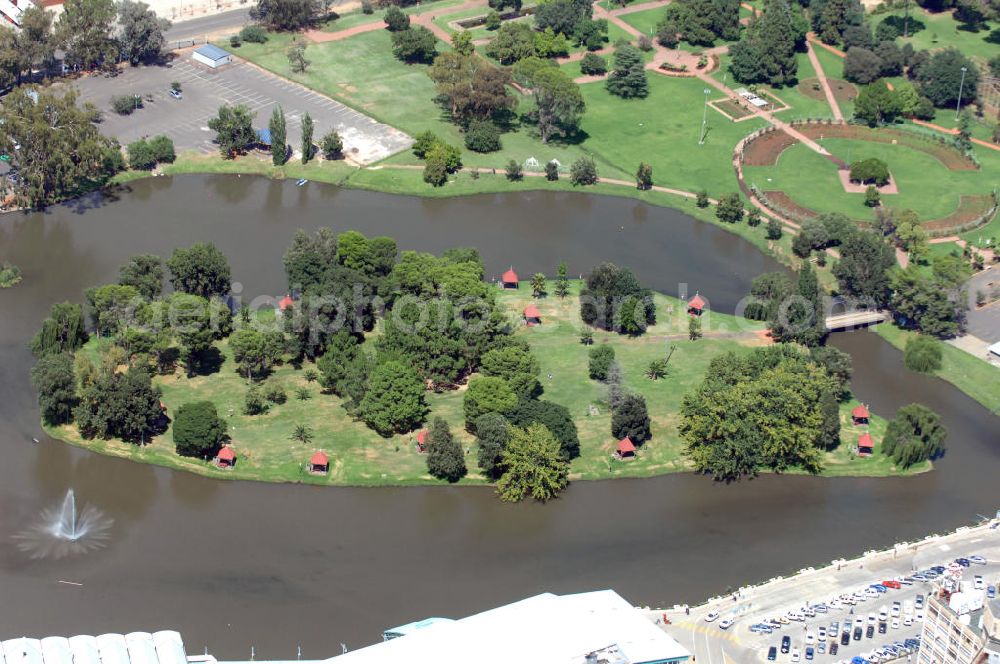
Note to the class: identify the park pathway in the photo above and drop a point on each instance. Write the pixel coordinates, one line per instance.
(825, 84)
(640, 7)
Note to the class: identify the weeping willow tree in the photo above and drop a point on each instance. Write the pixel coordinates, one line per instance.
(63, 331)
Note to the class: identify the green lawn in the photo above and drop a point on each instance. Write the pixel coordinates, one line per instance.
(924, 184)
(942, 31)
(360, 457)
(802, 106)
(644, 21)
(974, 376)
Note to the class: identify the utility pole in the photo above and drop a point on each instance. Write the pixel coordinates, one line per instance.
(961, 85)
(906, 19)
(704, 118)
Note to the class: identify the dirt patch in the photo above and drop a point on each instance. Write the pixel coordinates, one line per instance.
(782, 203)
(842, 90)
(765, 149)
(730, 109)
(859, 188)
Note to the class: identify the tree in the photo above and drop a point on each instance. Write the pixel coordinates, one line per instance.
(296, 55)
(963, 139)
(583, 172)
(537, 284)
(657, 369)
(198, 429)
(233, 128)
(395, 19)
(870, 171)
(914, 435)
(554, 417)
(558, 102)
(120, 405)
(200, 269)
(332, 146)
(514, 41)
(928, 304)
(774, 229)
(144, 273)
(414, 44)
(63, 331)
(85, 30)
(766, 52)
(445, 460)
(862, 65)
(532, 465)
(701, 22)
(644, 177)
(862, 269)
(837, 364)
(694, 328)
(562, 16)
(613, 299)
(255, 351)
(482, 136)
(140, 36)
(286, 15)
(631, 420)
(834, 17)
(493, 21)
(394, 401)
(593, 65)
(60, 152)
(940, 78)
(32, 47)
(302, 434)
(872, 197)
(562, 282)
(436, 171)
(801, 318)
(877, 105)
(279, 138)
(601, 358)
(461, 43)
(140, 156)
(628, 78)
(492, 434)
(307, 138)
(730, 208)
(55, 383)
(922, 354)
(514, 171)
(487, 394)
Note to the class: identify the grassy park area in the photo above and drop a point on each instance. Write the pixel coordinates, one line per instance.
(358, 456)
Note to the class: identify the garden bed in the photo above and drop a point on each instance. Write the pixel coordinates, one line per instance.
(766, 148)
(949, 157)
(971, 212)
(730, 109)
(842, 90)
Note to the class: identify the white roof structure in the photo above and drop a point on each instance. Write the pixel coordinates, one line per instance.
(994, 349)
(136, 648)
(11, 11)
(544, 629)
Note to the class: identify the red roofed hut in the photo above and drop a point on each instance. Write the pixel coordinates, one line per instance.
(696, 305)
(626, 448)
(509, 278)
(226, 458)
(860, 414)
(865, 445)
(286, 303)
(422, 440)
(319, 463)
(532, 316)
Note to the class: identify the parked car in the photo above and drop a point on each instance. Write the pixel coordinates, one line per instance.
(882, 627)
(845, 638)
(176, 94)
(772, 654)
(796, 655)
(821, 633)
(821, 647)
(820, 608)
(938, 569)
(918, 601)
(857, 633)
(964, 562)
(810, 652)
(892, 584)
(786, 644)
(870, 632)
(991, 591)
(978, 583)
(712, 616)
(979, 560)
(725, 623)
(895, 623)
(834, 648)
(808, 612)
(810, 638)
(894, 612)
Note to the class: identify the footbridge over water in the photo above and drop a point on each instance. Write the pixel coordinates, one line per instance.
(852, 319)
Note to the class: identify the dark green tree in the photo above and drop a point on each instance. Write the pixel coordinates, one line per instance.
(414, 44)
(583, 172)
(332, 146)
(487, 394)
(940, 78)
(492, 434)
(631, 420)
(862, 271)
(644, 177)
(54, 381)
(63, 331)
(140, 36)
(143, 272)
(395, 19)
(307, 138)
(766, 52)
(877, 105)
(121, 405)
(279, 136)
(233, 128)
(198, 429)
(914, 435)
(562, 282)
(85, 30)
(555, 417)
(862, 65)
(730, 208)
(445, 460)
(601, 358)
(286, 14)
(628, 77)
(395, 399)
(922, 354)
(200, 269)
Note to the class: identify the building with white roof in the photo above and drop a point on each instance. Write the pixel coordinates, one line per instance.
(136, 648)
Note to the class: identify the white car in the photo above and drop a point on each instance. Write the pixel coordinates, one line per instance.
(978, 583)
(871, 592)
(725, 624)
(895, 610)
(908, 621)
(810, 638)
(808, 612)
(920, 614)
(821, 633)
(871, 619)
(796, 655)
(859, 622)
(895, 623)
(883, 613)
(712, 616)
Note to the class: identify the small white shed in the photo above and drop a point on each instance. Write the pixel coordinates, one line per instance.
(212, 55)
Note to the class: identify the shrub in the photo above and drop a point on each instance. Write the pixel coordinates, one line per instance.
(482, 136)
(753, 217)
(492, 20)
(514, 171)
(10, 275)
(126, 104)
(253, 34)
(583, 172)
(198, 429)
(551, 171)
(254, 403)
(601, 359)
(730, 208)
(870, 171)
(701, 199)
(774, 229)
(435, 171)
(235, 42)
(923, 354)
(367, 8)
(332, 146)
(140, 156)
(163, 149)
(275, 393)
(872, 197)
(395, 19)
(593, 65)
(645, 43)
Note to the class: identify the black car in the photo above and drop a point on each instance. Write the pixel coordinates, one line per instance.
(845, 638)
(834, 648)
(786, 644)
(881, 627)
(772, 654)
(870, 632)
(857, 633)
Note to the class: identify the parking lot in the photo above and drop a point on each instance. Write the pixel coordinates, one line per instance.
(805, 608)
(204, 90)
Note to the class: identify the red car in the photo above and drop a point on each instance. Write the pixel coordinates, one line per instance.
(892, 584)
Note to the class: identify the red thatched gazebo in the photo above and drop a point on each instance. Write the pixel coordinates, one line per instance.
(319, 463)
(532, 316)
(509, 278)
(625, 449)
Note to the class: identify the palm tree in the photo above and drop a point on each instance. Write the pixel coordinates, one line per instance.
(538, 284)
(302, 433)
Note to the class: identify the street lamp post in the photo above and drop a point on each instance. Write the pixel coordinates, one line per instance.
(704, 117)
(961, 85)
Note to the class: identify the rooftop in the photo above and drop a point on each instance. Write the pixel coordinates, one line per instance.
(163, 647)
(212, 52)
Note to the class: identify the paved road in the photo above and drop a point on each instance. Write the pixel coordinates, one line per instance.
(712, 645)
(198, 28)
(984, 323)
(204, 91)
